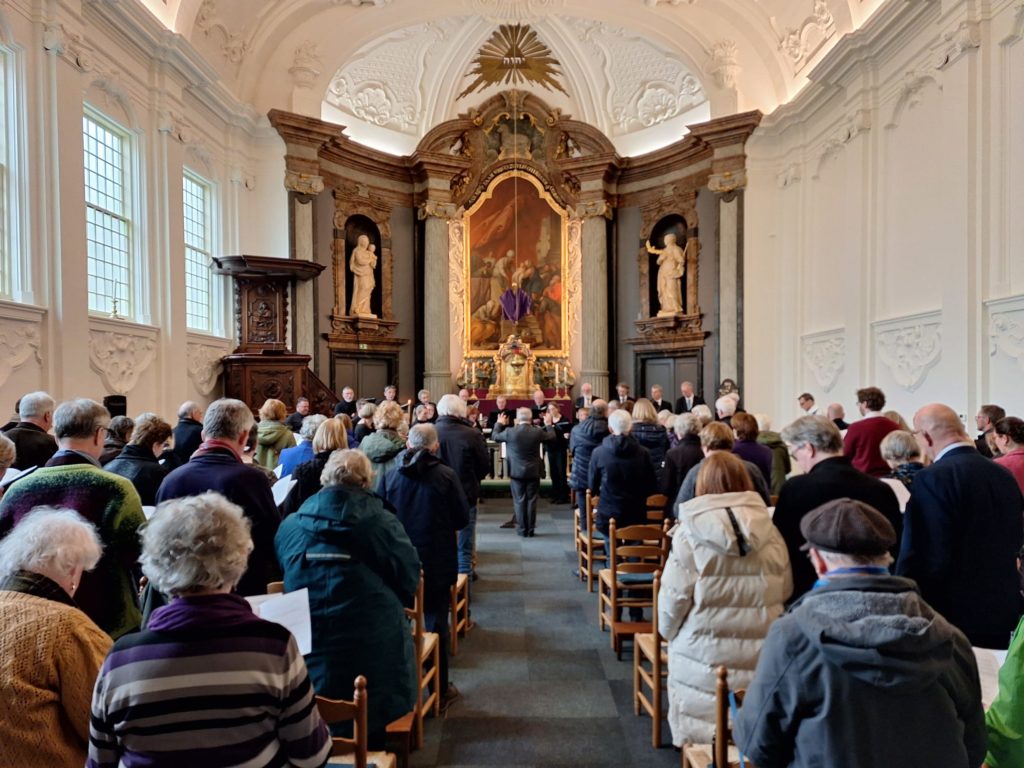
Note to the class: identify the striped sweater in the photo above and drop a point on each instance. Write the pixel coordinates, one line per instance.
(207, 685)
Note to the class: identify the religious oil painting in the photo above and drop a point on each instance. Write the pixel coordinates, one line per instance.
(516, 259)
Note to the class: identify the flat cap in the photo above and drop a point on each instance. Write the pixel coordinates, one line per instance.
(848, 527)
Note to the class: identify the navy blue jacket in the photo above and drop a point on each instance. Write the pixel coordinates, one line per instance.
(622, 474)
(220, 470)
(962, 533)
(188, 436)
(654, 438)
(584, 438)
(431, 506)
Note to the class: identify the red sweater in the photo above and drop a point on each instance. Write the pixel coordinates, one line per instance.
(862, 442)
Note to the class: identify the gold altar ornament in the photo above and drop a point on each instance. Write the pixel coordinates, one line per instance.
(511, 56)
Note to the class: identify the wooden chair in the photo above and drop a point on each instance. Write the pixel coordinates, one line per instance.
(650, 669)
(656, 508)
(635, 553)
(352, 751)
(591, 551)
(460, 611)
(722, 752)
(275, 588)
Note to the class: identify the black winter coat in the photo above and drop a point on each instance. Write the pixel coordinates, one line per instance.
(679, 461)
(654, 438)
(464, 449)
(622, 474)
(138, 464)
(188, 436)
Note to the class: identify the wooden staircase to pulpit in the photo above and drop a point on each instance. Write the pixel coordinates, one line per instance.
(263, 366)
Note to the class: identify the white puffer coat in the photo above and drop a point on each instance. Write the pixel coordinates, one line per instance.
(715, 605)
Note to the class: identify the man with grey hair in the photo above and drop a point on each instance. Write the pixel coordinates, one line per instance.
(34, 446)
(464, 449)
(430, 503)
(108, 595)
(217, 466)
(725, 407)
(816, 446)
(687, 398)
(622, 474)
(188, 432)
(297, 454)
(863, 653)
(525, 464)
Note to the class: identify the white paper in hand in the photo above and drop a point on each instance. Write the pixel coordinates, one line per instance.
(148, 511)
(282, 488)
(291, 611)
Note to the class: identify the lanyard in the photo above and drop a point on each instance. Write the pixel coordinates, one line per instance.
(857, 570)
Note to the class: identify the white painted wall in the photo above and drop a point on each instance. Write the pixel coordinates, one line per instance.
(885, 218)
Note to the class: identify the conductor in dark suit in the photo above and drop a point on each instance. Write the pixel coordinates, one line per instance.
(525, 464)
(688, 398)
(963, 531)
(815, 444)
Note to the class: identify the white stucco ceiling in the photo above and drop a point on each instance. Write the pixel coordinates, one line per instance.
(639, 70)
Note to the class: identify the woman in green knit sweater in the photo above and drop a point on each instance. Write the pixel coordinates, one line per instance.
(272, 434)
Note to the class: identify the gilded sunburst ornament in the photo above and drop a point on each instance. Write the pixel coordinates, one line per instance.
(514, 55)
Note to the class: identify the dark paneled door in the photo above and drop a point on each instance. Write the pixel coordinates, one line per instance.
(367, 375)
(669, 372)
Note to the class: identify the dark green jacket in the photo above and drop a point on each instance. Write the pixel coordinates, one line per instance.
(361, 569)
(781, 465)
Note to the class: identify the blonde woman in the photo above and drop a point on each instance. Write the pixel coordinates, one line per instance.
(272, 434)
(330, 437)
(651, 435)
(383, 446)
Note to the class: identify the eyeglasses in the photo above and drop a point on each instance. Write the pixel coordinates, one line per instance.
(104, 430)
(794, 449)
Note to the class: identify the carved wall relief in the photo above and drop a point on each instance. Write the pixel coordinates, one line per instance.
(825, 355)
(909, 346)
(120, 358)
(19, 341)
(1006, 329)
(205, 366)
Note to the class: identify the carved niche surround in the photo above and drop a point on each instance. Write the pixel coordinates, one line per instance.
(683, 202)
(348, 203)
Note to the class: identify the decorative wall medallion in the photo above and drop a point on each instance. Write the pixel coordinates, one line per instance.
(825, 355)
(514, 56)
(204, 366)
(120, 358)
(18, 342)
(728, 181)
(909, 346)
(788, 175)
(1006, 329)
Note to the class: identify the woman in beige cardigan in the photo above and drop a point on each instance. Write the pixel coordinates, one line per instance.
(725, 582)
(52, 651)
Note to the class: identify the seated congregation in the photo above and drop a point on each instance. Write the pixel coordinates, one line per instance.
(839, 573)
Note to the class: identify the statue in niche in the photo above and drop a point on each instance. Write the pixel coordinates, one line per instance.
(362, 263)
(671, 265)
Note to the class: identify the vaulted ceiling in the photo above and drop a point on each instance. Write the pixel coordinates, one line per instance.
(639, 70)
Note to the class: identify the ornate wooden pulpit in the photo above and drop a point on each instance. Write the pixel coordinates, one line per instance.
(263, 366)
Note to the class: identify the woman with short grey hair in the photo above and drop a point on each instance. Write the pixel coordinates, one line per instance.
(205, 643)
(902, 453)
(52, 651)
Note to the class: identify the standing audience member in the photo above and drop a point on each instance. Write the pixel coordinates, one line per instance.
(1009, 439)
(119, 432)
(985, 420)
(347, 423)
(8, 454)
(362, 571)
(1004, 719)
(207, 682)
(963, 531)
(896, 418)
(725, 407)
(188, 432)
(861, 671)
(139, 462)
(864, 437)
(837, 413)
(364, 426)
(807, 405)
(685, 456)
(725, 582)
(817, 447)
(651, 435)
(744, 426)
(330, 437)
(464, 449)
(294, 420)
(558, 455)
(525, 464)
(303, 450)
(218, 466)
(427, 496)
(622, 474)
(903, 455)
(687, 398)
(583, 439)
(383, 446)
(51, 650)
(272, 434)
(717, 436)
(781, 465)
(109, 594)
(34, 446)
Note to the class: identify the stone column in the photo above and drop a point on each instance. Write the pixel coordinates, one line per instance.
(730, 273)
(594, 299)
(437, 374)
(302, 191)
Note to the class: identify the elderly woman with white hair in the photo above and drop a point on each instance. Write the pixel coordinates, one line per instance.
(51, 650)
(361, 569)
(622, 474)
(207, 682)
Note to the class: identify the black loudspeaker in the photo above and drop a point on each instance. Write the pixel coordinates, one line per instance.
(116, 404)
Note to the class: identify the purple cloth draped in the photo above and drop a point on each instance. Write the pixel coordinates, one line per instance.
(515, 304)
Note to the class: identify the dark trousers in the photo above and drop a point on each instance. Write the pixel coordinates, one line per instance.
(559, 486)
(524, 503)
(436, 606)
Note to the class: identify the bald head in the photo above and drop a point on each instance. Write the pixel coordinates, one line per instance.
(939, 426)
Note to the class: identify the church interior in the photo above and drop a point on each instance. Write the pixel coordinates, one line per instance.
(264, 199)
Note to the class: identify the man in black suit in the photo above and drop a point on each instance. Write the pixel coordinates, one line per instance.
(587, 396)
(188, 433)
(32, 443)
(347, 404)
(986, 420)
(688, 398)
(500, 407)
(656, 398)
(525, 464)
(623, 391)
(815, 444)
(963, 532)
